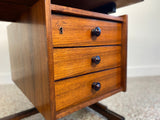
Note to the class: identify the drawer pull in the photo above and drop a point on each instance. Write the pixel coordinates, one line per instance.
(96, 59)
(96, 31)
(96, 86)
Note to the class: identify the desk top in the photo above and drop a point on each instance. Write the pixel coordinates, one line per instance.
(10, 9)
(91, 4)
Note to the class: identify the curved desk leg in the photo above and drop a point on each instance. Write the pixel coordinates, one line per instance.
(21, 115)
(103, 110)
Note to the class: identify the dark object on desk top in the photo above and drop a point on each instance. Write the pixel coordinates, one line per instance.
(106, 8)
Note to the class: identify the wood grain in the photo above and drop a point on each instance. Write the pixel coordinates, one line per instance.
(73, 91)
(50, 59)
(37, 66)
(29, 57)
(72, 109)
(124, 52)
(70, 62)
(83, 13)
(77, 31)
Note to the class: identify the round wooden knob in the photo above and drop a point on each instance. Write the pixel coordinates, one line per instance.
(96, 31)
(96, 59)
(96, 86)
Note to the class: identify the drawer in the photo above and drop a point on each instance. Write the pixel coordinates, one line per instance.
(76, 90)
(77, 31)
(69, 62)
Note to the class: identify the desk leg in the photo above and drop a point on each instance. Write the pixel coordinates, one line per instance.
(21, 115)
(103, 110)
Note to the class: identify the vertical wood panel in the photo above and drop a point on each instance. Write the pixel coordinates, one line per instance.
(50, 58)
(124, 51)
(29, 56)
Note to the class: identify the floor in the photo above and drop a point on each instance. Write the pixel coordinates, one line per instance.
(140, 102)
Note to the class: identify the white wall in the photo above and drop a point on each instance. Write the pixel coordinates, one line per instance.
(143, 41)
(143, 38)
(5, 75)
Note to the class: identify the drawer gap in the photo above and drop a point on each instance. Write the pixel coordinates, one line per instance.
(86, 74)
(86, 46)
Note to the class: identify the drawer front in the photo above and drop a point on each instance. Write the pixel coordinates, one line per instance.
(73, 91)
(77, 31)
(69, 62)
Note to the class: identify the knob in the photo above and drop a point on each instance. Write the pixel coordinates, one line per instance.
(96, 59)
(96, 31)
(96, 86)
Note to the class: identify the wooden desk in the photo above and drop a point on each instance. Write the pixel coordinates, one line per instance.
(64, 58)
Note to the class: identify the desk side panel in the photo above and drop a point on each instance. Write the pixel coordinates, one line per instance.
(29, 57)
(124, 52)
